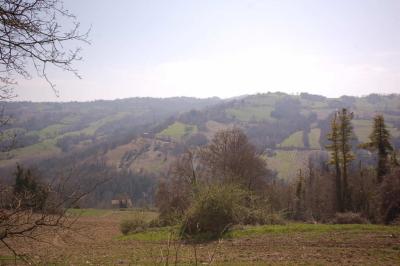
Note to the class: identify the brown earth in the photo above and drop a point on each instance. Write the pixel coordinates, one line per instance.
(95, 242)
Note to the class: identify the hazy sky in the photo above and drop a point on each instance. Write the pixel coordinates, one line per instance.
(230, 48)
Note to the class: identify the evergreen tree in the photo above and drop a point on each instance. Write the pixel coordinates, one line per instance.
(346, 154)
(333, 147)
(379, 141)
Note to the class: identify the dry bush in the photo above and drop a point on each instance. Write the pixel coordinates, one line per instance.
(133, 225)
(214, 211)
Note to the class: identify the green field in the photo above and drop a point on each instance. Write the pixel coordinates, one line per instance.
(363, 128)
(94, 126)
(288, 163)
(251, 113)
(294, 141)
(50, 131)
(178, 130)
(163, 233)
(313, 138)
(42, 148)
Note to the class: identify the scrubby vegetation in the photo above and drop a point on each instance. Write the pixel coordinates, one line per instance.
(226, 183)
(133, 225)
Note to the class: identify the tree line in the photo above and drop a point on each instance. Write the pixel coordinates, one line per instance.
(351, 184)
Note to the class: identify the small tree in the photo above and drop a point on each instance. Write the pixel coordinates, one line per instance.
(231, 158)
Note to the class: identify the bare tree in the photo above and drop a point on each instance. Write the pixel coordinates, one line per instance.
(232, 158)
(32, 38)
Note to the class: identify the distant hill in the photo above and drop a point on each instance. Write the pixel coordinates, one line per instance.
(144, 135)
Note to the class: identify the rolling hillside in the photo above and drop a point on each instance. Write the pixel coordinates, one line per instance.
(144, 135)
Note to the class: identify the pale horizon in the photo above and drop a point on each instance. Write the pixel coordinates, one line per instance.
(229, 48)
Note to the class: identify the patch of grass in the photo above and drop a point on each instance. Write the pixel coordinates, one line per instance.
(38, 149)
(264, 99)
(311, 228)
(154, 234)
(70, 119)
(165, 233)
(251, 113)
(294, 141)
(178, 130)
(91, 130)
(287, 163)
(94, 126)
(313, 138)
(4, 258)
(51, 131)
(362, 129)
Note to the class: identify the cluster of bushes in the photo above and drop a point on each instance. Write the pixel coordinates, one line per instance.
(217, 208)
(223, 184)
(134, 225)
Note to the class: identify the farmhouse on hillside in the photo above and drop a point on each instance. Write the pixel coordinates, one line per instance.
(121, 202)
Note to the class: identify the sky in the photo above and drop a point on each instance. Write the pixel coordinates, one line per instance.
(229, 48)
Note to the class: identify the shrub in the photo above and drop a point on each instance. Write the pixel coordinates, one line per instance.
(349, 218)
(135, 225)
(214, 210)
(165, 220)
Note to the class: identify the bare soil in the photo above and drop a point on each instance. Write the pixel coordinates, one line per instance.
(95, 242)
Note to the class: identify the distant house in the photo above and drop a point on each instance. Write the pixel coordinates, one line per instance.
(121, 202)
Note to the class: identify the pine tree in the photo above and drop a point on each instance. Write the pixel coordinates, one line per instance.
(379, 141)
(346, 154)
(333, 137)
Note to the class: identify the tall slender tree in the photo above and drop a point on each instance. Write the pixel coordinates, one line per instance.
(333, 147)
(379, 141)
(346, 154)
